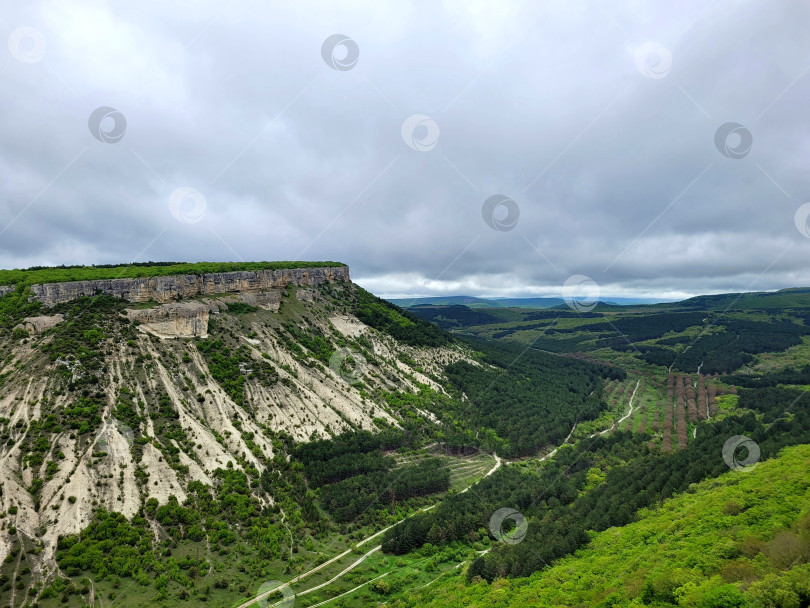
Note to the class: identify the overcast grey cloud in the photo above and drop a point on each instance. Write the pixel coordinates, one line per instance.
(597, 119)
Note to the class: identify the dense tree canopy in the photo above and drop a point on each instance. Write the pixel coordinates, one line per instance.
(529, 398)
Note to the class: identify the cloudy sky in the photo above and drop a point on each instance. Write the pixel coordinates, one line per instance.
(457, 147)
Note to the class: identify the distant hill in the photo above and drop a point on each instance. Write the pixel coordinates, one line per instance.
(796, 297)
(474, 302)
(454, 316)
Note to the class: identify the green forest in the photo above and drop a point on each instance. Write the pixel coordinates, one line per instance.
(740, 540)
(530, 399)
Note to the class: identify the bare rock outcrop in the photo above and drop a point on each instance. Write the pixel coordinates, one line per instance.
(175, 320)
(305, 295)
(5, 289)
(39, 324)
(269, 300)
(169, 288)
(190, 319)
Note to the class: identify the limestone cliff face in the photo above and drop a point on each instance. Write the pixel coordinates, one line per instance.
(190, 319)
(175, 320)
(168, 288)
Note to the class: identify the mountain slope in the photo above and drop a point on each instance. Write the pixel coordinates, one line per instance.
(105, 404)
(744, 537)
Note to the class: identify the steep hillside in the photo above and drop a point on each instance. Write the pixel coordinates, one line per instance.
(106, 406)
(740, 540)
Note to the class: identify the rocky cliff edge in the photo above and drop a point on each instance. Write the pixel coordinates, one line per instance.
(169, 288)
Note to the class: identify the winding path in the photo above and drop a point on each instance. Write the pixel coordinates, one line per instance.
(341, 573)
(250, 602)
(327, 563)
(623, 418)
(554, 451)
